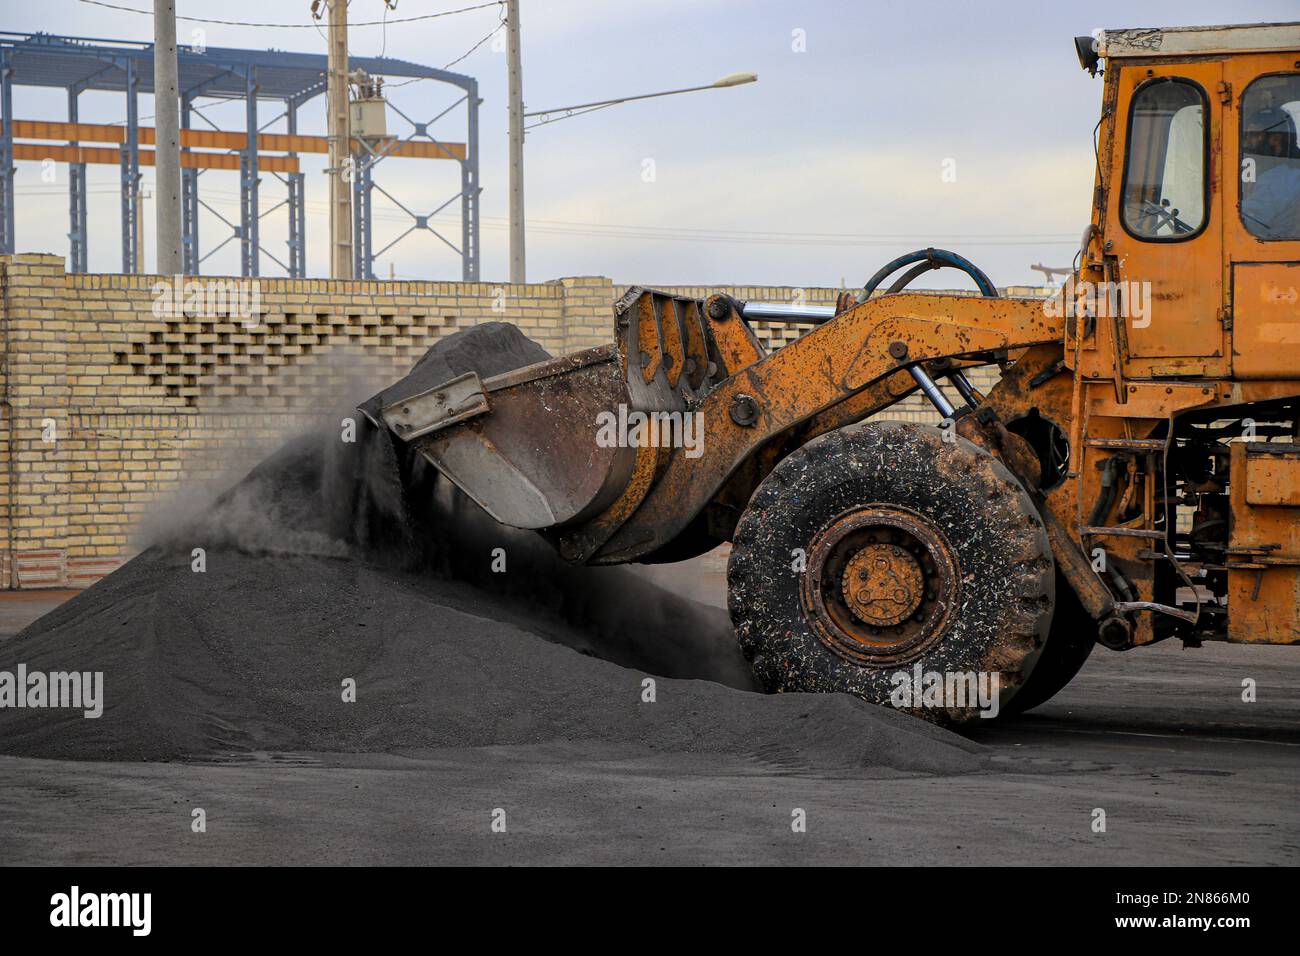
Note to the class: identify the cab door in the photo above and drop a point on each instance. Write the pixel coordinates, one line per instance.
(1262, 218)
(1165, 220)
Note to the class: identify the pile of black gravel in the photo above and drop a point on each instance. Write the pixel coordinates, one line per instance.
(338, 562)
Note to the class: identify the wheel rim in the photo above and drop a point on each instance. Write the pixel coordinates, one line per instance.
(880, 584)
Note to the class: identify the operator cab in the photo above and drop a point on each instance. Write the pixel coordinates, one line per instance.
(1197, 206)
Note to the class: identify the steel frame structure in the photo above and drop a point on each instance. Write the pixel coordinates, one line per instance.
(363, 184)
(78, 65)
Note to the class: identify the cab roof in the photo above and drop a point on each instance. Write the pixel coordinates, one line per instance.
(1183, 41)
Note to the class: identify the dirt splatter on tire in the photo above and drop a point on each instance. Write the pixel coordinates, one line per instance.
(937, 527)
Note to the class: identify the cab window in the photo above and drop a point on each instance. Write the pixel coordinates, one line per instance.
(1270, 157)
(1164, 172)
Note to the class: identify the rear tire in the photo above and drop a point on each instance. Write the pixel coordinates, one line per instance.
(880, 547)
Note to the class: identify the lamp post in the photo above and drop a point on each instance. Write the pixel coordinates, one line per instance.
(517, 127)
(515, 91)
(731, 79)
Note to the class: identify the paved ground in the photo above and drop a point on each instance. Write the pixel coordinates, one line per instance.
(20, 608)
(1158, 738)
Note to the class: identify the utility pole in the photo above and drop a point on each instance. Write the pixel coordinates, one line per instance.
(167, 145)
(140, 266)
(340, 143)
(516, 81)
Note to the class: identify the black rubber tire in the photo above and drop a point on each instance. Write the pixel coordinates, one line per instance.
(1070, 641)
(1005, 588)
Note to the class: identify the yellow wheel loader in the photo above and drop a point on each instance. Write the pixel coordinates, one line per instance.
(1134, 475)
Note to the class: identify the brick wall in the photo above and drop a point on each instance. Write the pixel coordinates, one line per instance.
(112, 401)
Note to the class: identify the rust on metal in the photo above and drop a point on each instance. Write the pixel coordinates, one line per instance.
(811, 375)
(881, 584)
(736, 344)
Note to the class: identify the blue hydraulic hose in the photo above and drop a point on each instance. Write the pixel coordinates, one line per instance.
(941, 257)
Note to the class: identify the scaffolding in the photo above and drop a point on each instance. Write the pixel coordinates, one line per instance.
(79, 65)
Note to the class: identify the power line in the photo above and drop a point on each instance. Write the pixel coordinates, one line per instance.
(416, 79)
(296, 26)
(903, 237)
(597, 228)
(494, 32)
(556, 227)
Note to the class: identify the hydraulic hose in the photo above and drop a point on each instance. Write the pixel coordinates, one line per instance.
(928, 259)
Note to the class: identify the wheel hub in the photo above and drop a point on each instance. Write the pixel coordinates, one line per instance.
(883, 585)
(880, 585)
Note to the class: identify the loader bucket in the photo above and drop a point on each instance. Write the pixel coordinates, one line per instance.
(522, 444)
(517, 430)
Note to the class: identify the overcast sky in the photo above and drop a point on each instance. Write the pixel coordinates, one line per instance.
(826, 168)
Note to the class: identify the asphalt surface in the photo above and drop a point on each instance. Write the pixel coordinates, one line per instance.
(1158, 738)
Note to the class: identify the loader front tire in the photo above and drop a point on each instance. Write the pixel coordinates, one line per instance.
(889, 556)
(1069, 643)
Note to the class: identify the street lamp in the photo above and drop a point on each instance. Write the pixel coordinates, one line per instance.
(731, 79)
(517, 127)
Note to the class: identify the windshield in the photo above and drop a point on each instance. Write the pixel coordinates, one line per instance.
(1270, 157)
